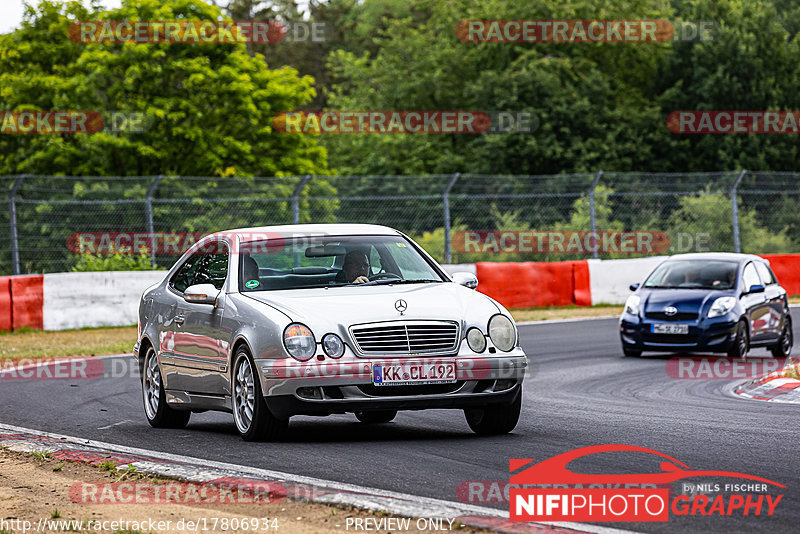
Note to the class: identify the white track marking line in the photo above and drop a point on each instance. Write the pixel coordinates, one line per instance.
(113, 425)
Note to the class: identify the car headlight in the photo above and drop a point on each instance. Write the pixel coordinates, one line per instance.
(332, 345)
(632, 304)
(476, 340)
(502, 332)
(721, 306)
(299, 342)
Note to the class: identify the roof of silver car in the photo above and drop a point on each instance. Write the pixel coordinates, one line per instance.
(301, 230)
(731, 256)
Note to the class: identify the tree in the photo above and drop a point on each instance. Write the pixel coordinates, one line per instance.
(592, 100)
(709, 215)
(207, 111)
(751, 62)
(208, 107)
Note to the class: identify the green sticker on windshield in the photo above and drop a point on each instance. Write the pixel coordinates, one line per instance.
(250, 284)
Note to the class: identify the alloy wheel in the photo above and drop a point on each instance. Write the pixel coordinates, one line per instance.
(243, 395)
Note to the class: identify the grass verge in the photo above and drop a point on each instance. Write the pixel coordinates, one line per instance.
(566, 312)
(56, 344)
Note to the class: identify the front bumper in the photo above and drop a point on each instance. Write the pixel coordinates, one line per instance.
(705, 335)
(340, 386)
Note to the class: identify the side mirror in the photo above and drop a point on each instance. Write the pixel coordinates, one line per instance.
(201, 294)
(634, 287)
(756, 288)
(465, 279)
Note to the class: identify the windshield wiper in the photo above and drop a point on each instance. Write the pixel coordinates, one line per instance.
(663, 287)
(394, 281)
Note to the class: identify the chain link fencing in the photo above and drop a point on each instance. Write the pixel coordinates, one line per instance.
(458, 218)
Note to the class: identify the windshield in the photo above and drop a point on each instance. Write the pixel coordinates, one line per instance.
(305, 262)
(703, 274)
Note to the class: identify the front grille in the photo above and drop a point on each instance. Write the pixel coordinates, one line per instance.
(677, 339)
(424, 389)
(680, 316)
(406, 337)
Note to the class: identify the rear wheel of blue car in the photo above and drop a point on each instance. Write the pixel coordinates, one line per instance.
(158, 414)
(783, 348)
(495, 419)
(741, 343)
(254, 421)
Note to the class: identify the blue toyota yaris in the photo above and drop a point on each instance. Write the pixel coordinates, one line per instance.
(716, 302)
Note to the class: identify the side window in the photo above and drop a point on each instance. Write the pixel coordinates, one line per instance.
(183, 278)
(765, 273)
(212, 269)
(750, 276)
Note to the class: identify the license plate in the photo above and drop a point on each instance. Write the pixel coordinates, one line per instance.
(670, 329)
(413, 373)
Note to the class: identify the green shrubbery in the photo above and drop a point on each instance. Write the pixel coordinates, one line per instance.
(121, 260)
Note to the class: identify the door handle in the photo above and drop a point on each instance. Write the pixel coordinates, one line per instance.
(179, 319)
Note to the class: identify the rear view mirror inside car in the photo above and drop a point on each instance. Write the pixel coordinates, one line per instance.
(325, 251)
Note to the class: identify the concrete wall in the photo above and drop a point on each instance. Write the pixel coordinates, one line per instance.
(76, 300)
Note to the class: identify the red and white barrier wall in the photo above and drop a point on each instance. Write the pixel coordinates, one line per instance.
(75, 300)
(587, 282)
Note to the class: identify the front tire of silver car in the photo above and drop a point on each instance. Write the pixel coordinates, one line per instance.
(631, 353)
(254, 421)
(375, 418)
(158, 413)
(493, 420)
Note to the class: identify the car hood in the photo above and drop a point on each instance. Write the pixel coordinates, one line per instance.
(685, 300)
(345, 306)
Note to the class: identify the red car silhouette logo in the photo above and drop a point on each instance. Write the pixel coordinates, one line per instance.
(554, 470)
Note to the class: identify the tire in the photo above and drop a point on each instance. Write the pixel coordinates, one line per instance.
(494, 420)
(631, 353)
(254, 421)
(783, 348)
(373, 418)
(158, 413)
(741, 343)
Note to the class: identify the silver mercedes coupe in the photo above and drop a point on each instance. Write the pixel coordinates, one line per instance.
(323, 319)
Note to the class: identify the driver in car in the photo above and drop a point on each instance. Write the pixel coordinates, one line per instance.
(355, 268)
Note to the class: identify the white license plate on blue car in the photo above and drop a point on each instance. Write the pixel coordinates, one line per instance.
(670, 328)
(409, 373)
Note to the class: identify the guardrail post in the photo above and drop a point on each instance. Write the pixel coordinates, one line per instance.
(12, 221)
(446, 204)
(148, 213)
(296, 198)
(737, 247)
(592, 212)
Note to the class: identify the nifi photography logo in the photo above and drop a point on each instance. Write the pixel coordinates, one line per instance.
(549, 491)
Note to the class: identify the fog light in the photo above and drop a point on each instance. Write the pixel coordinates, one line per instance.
(476, 340)
(309, 393)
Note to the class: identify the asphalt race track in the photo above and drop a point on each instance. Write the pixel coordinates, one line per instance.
(580, 392)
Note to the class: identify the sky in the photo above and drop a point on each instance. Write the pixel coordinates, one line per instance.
(11, 12)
